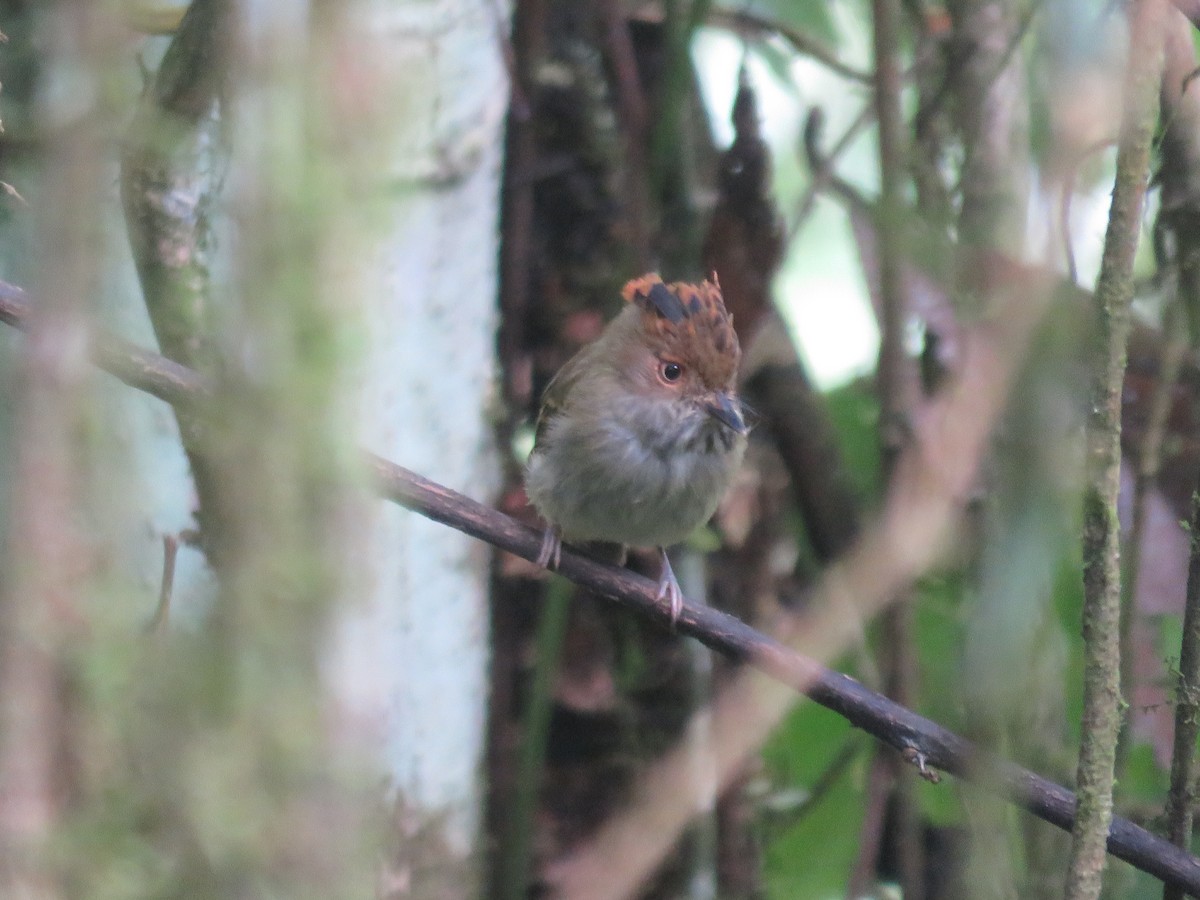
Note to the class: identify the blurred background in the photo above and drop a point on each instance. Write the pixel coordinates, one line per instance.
(228, 669)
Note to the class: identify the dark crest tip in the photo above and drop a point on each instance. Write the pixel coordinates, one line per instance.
(669, 306)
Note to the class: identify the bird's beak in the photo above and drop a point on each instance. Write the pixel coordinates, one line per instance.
(724, 409)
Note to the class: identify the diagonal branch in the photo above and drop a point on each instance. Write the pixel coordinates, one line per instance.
(917, 737)
(1190, 8)
(172, 165)
(745, 19)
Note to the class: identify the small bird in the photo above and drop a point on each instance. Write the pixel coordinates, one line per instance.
(641, 431)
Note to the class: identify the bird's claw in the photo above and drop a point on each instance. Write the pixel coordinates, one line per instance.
(669, 590)
(550, 554)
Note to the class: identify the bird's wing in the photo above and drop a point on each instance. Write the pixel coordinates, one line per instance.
(555, 396)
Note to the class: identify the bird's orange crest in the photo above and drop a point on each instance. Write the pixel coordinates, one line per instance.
(689, 318)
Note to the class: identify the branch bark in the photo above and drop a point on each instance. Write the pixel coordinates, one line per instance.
(172, 166)
(745, 19)
(885, 720)
(1102, 703)
(1178, 215)
(1187, 708)
(898, 388)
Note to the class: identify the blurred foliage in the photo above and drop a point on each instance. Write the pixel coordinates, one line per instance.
(813, 855)
(854, 411)
(191, 750)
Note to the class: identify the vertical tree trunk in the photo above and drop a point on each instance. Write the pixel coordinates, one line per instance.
(413, 663)
(1102, 710)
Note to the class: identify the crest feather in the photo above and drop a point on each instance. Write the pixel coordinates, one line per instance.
(690, 316)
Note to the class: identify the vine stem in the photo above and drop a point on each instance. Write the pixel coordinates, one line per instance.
(1103, 707)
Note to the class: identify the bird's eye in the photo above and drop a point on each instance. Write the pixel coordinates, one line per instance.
(671, 371)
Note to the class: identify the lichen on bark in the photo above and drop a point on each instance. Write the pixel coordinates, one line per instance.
(1102, 703)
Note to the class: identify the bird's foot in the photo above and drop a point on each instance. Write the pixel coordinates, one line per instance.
(551, 553)
(668, 588)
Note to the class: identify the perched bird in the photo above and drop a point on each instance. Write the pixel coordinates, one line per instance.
(641, 431)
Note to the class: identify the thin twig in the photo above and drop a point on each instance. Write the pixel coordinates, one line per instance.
(897, 385)
(163, 611)
(1182, 794)
(1178, 153)
(876, 715)
(744, 19)
(822, 784)
(189, 537)
(821, 164)
(1149, 460)
(881, 779)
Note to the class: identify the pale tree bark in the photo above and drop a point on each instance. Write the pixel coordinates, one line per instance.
(412, 664)
(245, 741)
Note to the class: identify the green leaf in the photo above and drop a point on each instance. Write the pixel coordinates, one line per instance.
(809, 740)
